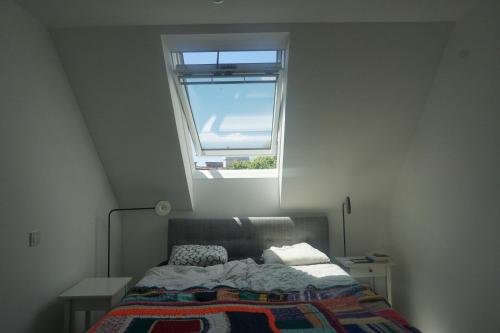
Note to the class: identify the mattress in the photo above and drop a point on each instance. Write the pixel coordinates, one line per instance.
(246, 274)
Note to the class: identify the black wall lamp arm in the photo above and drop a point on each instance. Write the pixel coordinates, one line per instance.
(346, 207)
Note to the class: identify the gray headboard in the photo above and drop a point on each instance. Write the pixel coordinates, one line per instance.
(249, 236)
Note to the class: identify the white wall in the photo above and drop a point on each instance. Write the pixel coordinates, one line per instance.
(51, 180)
(145, 234)
(445, 218)
(355, 93)
(236, 197)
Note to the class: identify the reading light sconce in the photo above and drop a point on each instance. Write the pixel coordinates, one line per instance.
(346, 207)
(162, 208)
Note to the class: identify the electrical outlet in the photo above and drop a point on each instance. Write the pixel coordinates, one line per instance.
(34, 238)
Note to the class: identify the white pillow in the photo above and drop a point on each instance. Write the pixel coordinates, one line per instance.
(294, 255)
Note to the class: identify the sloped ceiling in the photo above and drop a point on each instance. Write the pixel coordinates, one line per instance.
(121, 86)
(355, 92)
(74, 13)
(353, 102)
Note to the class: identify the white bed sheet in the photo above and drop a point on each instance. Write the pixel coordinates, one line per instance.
(246, 274)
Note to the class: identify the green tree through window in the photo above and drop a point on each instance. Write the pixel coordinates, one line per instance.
(261, 162)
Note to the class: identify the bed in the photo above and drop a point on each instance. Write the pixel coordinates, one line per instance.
(244, 295)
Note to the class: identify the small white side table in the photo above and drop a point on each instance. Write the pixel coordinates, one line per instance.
(369, 270)
(92, 294)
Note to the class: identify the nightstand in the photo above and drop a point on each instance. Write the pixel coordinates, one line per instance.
(92, 294)
(369, 270)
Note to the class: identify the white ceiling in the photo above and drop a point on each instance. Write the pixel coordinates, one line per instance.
(66, 13)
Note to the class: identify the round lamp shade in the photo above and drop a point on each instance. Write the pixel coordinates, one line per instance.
(162, 208)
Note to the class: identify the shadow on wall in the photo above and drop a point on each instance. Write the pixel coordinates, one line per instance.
(400, 273)
(51, 315)
(100, 241)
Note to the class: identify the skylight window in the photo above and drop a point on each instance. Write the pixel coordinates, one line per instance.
(231, 100)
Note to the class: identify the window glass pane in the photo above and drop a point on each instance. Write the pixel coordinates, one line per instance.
(228, 78)
(233, 116)
(239, 79)
(197, 79)
(266, 78)
(247, 57)
(199, 58)
(244, 78)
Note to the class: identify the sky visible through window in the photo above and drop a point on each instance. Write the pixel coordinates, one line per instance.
(230, 57)
(231, 115)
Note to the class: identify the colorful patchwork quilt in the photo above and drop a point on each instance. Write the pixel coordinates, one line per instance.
(354, 309)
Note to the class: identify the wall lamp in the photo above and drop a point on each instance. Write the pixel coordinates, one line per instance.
(162, 208)
(346, 208)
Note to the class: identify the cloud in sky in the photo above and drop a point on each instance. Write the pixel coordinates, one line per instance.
(247, 123)
(235, 140)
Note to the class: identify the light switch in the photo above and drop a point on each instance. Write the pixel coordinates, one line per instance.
(34, 238)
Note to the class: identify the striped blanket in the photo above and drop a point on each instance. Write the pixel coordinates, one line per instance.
(353, 308)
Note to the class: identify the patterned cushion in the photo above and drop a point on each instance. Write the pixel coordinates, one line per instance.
(198, 255)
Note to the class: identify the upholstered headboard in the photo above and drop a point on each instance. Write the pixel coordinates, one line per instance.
(249, 236)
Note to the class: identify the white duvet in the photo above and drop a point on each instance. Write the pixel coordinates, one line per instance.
(246, 274)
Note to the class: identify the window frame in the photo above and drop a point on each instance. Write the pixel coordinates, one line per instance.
(179, 69)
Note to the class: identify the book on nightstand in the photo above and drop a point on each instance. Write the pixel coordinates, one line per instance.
(377, 257)
(360, 260)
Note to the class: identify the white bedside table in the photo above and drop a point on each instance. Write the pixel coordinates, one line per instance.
(369, 270)
(92, 294)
